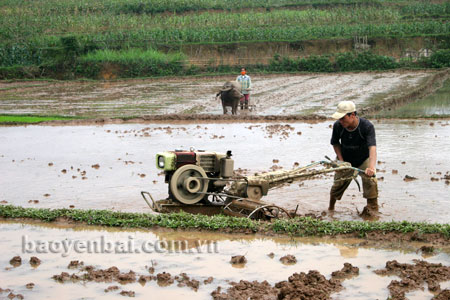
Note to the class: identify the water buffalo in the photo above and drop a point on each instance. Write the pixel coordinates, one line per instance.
(230, 95)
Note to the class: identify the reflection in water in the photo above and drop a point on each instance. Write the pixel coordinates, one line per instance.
(322, 254)
(436, 104)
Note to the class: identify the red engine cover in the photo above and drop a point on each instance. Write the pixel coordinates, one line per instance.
(185, 158)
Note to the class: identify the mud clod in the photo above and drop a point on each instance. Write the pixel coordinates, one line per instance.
(208, 280)
(128, 293)
(238, 259)
(271, 255)
(144, 278)
(427, 249)
(16, 261)
(184, 280)
(298, 286)
(34, 261)
(64, 276)
(413, 276)
(164, 279)
(11, 295)
(96, 166)
(346, 272)
(409, 178)
(29, 285)
(288, 259)
(111, 288)
(443, 295)
(247, 290)
(74, 264)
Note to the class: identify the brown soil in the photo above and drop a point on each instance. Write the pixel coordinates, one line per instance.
(238, 259)
(108, 275)
(184, 280)
(288, 259)
(29, 285)
(11, 295)
(312, 285)
(164, 279)
(413, 277)
(16, 261)
(34, 261)
(443, 295)
(111, 288)
(127, 293)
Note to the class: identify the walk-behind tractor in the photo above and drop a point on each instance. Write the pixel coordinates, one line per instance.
(205, 182)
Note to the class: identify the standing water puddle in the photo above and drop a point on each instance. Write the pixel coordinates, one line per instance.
(212, 259)
(106, 167)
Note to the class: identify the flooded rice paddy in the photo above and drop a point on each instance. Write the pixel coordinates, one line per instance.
(106, 167)
(436, 104)
(272, 94)
(150, 253)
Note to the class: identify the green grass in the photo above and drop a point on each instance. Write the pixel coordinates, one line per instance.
(303, 226)
(30, 30)
(29, 119)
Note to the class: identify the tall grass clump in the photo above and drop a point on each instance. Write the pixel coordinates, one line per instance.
(132, 62)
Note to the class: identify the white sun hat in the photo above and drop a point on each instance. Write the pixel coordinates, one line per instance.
(343, 108)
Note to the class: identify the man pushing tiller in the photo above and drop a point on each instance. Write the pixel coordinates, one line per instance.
(353, 141)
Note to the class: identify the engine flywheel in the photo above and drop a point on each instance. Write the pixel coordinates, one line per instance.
(187, 185)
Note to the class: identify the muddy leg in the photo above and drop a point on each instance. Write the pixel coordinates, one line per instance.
(332, 203)
(372, 204)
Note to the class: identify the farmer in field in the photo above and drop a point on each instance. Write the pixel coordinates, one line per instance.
(353, 140)
(246, 83)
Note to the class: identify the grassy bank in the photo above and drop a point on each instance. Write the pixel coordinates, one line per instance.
(134, 63)
(303, 226)
(30, 119)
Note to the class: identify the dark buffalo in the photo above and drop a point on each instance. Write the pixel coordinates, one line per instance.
(230, 95)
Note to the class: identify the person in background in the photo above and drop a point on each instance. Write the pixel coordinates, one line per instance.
(353, 141)
(246, 83)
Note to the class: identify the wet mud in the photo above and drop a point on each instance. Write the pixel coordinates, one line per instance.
(326, 268)
(311, 285)
(272, 95)
(413, 277)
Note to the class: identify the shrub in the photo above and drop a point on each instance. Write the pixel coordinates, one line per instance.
(440, 59)
(315, 64)
(364, 61)
(132, 63)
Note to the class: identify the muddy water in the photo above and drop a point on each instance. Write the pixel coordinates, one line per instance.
(272, 94)
(199, 263)
(436, 104)
(106, 167)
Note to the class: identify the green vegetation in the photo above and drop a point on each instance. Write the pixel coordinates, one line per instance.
(304, 226)
(133, 62)
(49, 37)
(30, 119)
